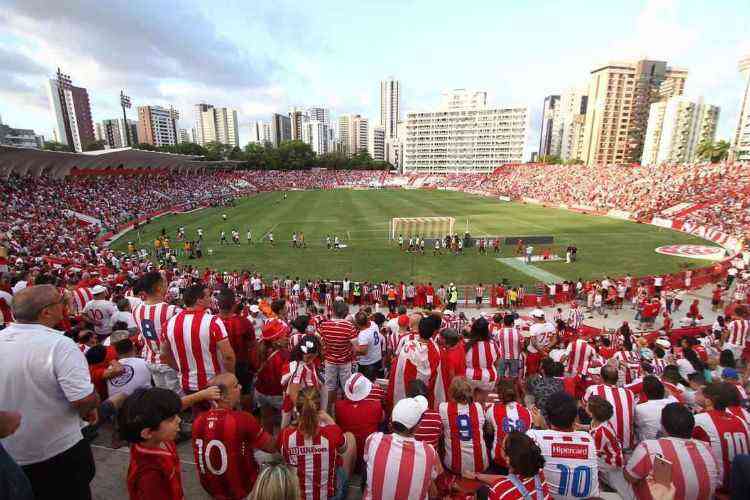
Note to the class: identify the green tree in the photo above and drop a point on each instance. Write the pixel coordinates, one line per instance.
(255, 156)
(217, 151)
(56, 146)
(296, 155)
(713, 151)
(550, 159)
(145, 146)
(94, 145)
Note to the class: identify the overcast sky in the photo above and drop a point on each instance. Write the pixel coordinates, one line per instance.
(265, 56)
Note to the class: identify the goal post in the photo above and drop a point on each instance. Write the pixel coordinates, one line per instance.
(424, 227)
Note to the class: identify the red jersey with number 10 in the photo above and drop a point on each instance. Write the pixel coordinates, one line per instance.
(728, 436)
(223, 445)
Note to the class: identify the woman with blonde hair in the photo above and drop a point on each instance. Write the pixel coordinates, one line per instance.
(313, 445)
(463, 422)
(276, 482)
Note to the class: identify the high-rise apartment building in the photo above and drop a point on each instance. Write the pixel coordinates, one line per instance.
(260, 132)
(358, 134)
(281, 129)
(216, 124)
(183, 135)
(298, 119)
(71, 112)
(390, 106)
(620, 96)
(376, 143)
(675, 128)
(465, 135)
(113, 132)
(550, 140)
(573, 105)
(741, 146)
(318, 114)
(318, 136)
(156, 126)
(20, 137)
(343, 133)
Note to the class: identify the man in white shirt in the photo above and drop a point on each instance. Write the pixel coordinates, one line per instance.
(100, 311)
(123, 315)
(648, 414)
(367, 347)
(132, 371)
(45, 377)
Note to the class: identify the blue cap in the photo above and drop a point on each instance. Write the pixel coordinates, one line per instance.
(730, 373)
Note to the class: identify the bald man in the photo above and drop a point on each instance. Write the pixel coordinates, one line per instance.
(45, 377)
(230, 472)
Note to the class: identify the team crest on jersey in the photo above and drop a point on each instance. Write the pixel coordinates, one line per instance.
(692, 251)
(570, 450)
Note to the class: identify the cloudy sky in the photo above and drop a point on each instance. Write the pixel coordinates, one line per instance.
(265, 56)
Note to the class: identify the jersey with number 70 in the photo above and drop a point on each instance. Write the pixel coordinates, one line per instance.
(570, 463)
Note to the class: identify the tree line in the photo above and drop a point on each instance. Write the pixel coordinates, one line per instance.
(289, 155)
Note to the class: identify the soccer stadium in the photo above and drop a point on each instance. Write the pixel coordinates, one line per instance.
(336, 307)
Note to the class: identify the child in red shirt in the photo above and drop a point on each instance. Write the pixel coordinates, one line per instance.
(149, 419)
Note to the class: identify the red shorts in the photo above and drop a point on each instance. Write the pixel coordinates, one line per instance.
(533, 359)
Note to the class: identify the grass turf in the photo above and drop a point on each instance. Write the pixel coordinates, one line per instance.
(606, 246)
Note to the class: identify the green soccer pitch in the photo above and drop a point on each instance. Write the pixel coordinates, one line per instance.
(360, 218)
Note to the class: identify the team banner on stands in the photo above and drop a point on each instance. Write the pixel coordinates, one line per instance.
(619, 214)
(661, 222)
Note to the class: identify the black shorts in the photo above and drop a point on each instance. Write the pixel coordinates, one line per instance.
(479, 300)
(244, 376)
(70, 472)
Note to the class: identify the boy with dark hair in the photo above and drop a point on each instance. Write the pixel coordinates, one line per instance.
(149, 420)
(607, 445)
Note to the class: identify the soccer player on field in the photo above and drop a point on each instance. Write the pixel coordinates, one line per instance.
(570, 460)
(436, 248)
(224, 440)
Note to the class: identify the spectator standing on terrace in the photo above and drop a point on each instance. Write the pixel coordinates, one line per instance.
(150, 318)
(100, 311)
(44, 377)
(196, 343)
(337, 335)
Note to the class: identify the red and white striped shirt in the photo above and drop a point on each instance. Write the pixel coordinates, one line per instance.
(398, 467)
(580, 354)
(463, 437)
(575, 317)
(315, 459)
(150, 320)
(728, 436)
(430, 428)
(695, 473)
(81, 297)
(505, 418)
(6, 315)
(607, 446)
(630, 364)
(623, 404)
(509, 343)
(416, 360)
(336, 335)
(193, 336)
(738, 332)
(535, 486)
(480, 361)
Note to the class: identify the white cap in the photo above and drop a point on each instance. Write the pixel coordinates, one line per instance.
(663, 343)
(254, 308)
(97, 289)
(537, 313)
(595, 370)
(409, 411)
(357, 387)
(448, 312)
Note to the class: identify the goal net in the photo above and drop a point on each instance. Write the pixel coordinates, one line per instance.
(424, 227)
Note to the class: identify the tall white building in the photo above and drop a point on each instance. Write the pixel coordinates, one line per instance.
(573, 104)
(344, 122)
(465, 135)
(156, 126)
(71, 112)
(390, 106)
(216, 124)
(318, 136)
(113, 133)
(318, 114)
(741, 147)
(550, 141)
(376, 143)
(675, 128)
(260, 132)
(183, 135)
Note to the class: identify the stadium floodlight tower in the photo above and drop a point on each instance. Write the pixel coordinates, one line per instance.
(425, 227)
(125, 104)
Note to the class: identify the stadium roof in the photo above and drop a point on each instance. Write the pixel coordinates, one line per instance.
(25, 161)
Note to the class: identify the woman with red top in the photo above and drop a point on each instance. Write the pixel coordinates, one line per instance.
(301, 372)
(274, 354)
(505, 417)
(481, 358)
(526, 479)
(322, 454)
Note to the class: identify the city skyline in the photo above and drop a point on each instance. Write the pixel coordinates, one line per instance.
(294, 60)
